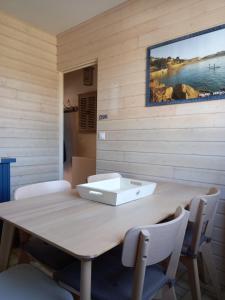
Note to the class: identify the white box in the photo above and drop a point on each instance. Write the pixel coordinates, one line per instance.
(116, 191)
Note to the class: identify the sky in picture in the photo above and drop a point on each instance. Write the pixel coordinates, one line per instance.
(198, 46)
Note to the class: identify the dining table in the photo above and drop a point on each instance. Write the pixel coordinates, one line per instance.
(86, 229)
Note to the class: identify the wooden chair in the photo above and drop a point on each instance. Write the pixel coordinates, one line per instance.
(42, 188)
(25, 282)
(105, 176)
(197, 241)
(39, 250)
(139, 277)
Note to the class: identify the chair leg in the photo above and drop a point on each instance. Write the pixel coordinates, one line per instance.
(203, 272)
(207, 255)
(168, 293)
(192, 266)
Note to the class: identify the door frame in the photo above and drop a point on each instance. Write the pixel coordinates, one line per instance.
(61, 105)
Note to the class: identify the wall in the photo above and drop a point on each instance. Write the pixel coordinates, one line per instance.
(29, 107)
(185, 142)
(83, 144)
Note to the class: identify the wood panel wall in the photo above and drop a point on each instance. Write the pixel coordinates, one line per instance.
(29, 107)
(185, 142)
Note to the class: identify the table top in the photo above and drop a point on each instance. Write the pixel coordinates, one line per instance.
(87, 229)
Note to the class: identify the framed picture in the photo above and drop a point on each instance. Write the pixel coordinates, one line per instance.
(187, 69)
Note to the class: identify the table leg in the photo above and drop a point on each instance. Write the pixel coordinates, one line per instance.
(6, 244)
(85, 280)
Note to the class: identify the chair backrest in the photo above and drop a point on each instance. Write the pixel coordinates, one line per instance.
(99, 177)
(160, 248)
(148, 245)
(202, 215)
(212, 199)
(42, 188)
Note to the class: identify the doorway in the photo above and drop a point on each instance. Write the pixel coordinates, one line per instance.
(80, 120)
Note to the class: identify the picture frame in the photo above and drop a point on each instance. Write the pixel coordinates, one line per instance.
(187, 69)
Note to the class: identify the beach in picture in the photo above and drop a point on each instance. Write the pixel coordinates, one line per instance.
(191, 68)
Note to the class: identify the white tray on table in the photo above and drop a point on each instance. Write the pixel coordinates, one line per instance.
(116, 191)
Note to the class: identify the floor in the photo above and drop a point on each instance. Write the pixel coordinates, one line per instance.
(183, 290)
(182, 287)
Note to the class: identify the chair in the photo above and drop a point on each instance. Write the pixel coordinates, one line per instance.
(42, 188)
(25, 282)
(138, 277)
(43, 252)
(105, 176)
(197, 241)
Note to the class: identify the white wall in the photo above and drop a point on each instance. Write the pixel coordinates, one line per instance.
(179, 142)
(29, 107)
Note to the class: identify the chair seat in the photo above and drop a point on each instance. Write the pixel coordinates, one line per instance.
(48, 254)
(24, 282)
(186, 249)
(110, 280)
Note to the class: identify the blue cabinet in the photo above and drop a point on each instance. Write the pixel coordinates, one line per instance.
(5, 178)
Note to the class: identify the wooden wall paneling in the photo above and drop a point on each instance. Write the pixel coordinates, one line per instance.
(183, 143)
(29, 111)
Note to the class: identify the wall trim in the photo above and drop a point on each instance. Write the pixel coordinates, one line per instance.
(61, 119)
(81, 66)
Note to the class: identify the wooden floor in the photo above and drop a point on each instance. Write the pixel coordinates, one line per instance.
(183, 290)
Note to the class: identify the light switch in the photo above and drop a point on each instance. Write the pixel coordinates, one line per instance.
(101, 135)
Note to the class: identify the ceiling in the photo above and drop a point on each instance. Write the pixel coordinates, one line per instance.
(55, 16)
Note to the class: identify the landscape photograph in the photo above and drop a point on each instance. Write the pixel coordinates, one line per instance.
(188, 69)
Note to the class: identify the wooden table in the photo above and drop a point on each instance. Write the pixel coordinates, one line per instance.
(84, 228)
